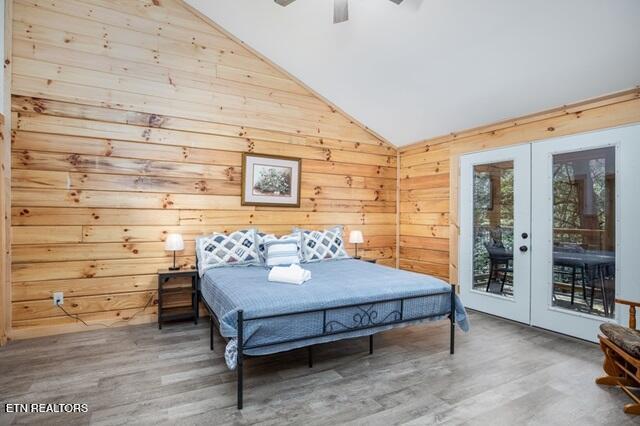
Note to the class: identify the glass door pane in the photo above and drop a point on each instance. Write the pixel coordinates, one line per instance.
(493, 228)
(584, 220)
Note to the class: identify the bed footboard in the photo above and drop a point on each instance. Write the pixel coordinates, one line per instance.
(365, 320)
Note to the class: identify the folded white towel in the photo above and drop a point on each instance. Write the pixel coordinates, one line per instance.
(293, 274)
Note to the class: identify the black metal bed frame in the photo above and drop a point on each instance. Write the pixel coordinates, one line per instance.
(366, 319)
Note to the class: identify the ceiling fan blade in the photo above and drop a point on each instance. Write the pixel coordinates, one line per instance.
(340, 11)
(284, 2)
(397, 1)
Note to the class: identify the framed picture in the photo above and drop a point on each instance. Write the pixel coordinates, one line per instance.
(270, 180)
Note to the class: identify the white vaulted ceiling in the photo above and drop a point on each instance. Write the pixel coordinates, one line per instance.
(431, 67)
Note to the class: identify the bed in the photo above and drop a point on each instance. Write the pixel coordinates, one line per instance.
(345, 298)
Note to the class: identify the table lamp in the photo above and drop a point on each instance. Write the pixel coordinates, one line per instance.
(174, 242)
(355, 237)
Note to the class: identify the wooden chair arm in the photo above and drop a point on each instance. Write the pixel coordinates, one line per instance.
(632, 311)
(628, 302)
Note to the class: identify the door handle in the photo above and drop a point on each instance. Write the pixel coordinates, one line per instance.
(524, 248)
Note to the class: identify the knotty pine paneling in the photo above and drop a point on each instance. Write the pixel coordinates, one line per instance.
(129, 121)
(5, 177)
(429, 174)
(5, 232)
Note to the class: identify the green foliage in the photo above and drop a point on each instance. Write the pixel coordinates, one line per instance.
(485, 206)
(570, 187)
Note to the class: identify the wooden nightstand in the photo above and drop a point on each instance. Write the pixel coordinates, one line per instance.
(367, 259)
(165, 288)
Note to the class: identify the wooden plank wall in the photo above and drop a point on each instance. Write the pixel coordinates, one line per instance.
(429, 174)
(5, 178)
(5, 208)
(129, 120)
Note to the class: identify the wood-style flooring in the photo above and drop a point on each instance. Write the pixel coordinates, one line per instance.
(502, 374)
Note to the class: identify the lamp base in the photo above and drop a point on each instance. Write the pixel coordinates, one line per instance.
(174, 267)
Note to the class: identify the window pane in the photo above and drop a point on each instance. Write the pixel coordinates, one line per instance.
(493, 228)
(584, 231)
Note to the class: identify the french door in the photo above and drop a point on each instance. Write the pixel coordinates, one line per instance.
(549, 232)
(585, 230)
(494, 238)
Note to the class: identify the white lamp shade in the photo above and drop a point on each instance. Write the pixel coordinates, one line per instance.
(174, 242)
(355, 237)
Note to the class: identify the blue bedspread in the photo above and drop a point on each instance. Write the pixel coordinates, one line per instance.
(333, 283)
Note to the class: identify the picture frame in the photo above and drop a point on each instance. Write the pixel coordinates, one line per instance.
(270, 180)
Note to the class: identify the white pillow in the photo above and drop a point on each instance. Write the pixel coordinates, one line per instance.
(283, 252)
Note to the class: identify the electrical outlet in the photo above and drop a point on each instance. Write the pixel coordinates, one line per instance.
(58, 298)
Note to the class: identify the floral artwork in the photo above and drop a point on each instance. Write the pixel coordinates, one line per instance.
(270, 180)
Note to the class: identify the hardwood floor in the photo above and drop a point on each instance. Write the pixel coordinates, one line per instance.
(502, 374)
